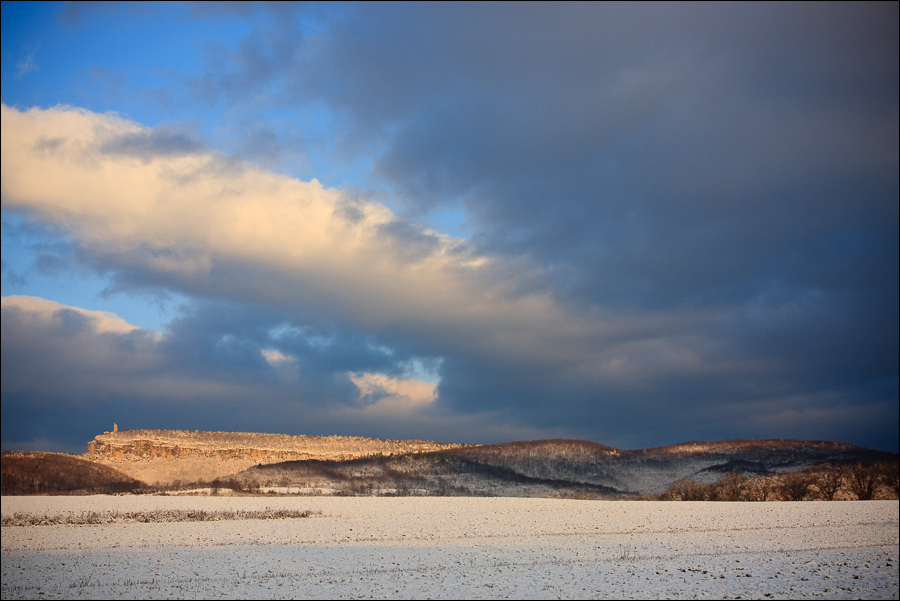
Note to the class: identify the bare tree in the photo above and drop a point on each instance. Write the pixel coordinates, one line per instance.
(686, 489)
(890, 475)
(730, 487)
(794, 486)
(864, 480)
(828, 479)
(761, 488)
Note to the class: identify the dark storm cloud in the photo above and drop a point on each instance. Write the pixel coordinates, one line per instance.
(728, 158)
(623, 139)
(229, 337)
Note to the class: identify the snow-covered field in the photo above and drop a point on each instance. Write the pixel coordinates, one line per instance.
(456, 548)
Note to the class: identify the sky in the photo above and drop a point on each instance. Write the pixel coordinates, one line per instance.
(633, 223)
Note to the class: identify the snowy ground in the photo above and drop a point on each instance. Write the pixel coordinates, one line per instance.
(457, 547)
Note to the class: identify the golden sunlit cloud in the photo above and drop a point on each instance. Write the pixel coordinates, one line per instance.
(194, 215)
(215, 226)
(184, 213)
(101, 321)
(274, 357)
(394, 394)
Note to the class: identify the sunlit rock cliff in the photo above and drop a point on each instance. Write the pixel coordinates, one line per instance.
(165, 456)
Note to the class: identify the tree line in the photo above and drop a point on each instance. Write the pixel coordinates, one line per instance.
(862, 481)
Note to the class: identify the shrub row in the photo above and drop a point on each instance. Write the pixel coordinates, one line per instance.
(156, 516)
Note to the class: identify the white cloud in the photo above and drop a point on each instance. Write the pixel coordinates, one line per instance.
(393, 394)
(274, 357)
(194, 216)
(211, 226)
(184, 213)
(101, 321)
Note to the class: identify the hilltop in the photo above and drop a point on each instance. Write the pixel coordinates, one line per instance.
(166, 456)
(556, 467)
(23, 473)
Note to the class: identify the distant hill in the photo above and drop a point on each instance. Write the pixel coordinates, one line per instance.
(23, 473)
(644, 471)
(561, 467)
(355, 465)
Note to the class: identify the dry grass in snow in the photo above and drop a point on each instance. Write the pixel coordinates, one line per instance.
(155, 516)
(452, 548)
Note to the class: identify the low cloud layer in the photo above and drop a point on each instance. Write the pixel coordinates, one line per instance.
(68, 372)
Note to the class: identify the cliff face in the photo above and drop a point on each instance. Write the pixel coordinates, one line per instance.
(141, 450)
(167, 455)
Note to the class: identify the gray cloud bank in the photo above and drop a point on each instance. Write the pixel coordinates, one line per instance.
(684, 224)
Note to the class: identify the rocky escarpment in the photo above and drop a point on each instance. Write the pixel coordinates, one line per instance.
(164, 456)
